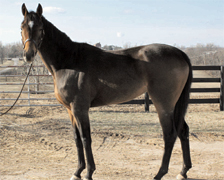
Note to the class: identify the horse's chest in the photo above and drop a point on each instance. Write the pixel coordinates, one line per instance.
(62, 95)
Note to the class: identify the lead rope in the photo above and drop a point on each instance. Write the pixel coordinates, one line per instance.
(19, 93)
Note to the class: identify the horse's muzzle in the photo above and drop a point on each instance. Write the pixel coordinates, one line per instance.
(29, 56)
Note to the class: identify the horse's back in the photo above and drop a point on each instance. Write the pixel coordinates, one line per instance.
(158, 59)
(157, 56)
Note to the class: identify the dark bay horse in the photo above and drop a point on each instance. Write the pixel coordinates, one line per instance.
(85, 76)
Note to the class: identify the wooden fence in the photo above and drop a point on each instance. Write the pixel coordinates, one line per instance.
(220, 90)
(145, 101)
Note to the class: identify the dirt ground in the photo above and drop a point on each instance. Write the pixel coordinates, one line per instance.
(37, 143)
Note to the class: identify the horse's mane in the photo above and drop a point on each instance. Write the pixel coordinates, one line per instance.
(62, 48)
(55, 34)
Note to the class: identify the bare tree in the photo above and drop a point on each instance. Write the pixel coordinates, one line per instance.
(16, 50)
(2, 53)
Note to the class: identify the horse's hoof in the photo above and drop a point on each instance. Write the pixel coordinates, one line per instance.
(75, 178)
(180, 177)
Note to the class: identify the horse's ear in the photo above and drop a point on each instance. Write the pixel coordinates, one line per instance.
(39, 10)
(24, 10)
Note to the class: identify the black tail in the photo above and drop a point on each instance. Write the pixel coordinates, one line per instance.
(182, 103)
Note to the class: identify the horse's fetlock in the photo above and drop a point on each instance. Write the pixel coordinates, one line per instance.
(181, 177)
(82, 166)
(165, 171)
(189, 167)
(92, 168)
(186, 168)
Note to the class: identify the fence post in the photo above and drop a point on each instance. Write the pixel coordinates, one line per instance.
(222, 90)
(146, 102)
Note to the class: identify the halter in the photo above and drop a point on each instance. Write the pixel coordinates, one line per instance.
(31, 41)
(37, 46)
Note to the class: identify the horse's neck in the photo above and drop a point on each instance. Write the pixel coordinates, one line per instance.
(57, 49)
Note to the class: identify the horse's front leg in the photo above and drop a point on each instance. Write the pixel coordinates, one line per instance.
(80, 152)
(83, 126)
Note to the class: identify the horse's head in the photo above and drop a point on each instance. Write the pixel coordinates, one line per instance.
(32, 32)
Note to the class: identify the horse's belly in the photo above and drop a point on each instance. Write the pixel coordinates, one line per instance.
(119, 94)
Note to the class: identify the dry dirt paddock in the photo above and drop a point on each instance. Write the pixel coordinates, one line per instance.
(37, 144)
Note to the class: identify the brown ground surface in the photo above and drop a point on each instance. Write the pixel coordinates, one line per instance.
(37, 143)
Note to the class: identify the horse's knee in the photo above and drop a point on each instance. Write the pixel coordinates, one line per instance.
(78, 141)
(87, 142)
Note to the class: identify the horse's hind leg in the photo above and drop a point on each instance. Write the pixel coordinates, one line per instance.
(183, 134)
(169, 136)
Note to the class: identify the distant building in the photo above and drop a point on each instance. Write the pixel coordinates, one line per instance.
(98, 45)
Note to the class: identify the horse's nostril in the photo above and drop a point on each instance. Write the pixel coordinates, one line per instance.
(29, 56)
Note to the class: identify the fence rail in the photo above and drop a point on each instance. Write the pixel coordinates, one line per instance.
(145, 101)
(205, 80)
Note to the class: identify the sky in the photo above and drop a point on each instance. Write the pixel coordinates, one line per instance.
(120, 22)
